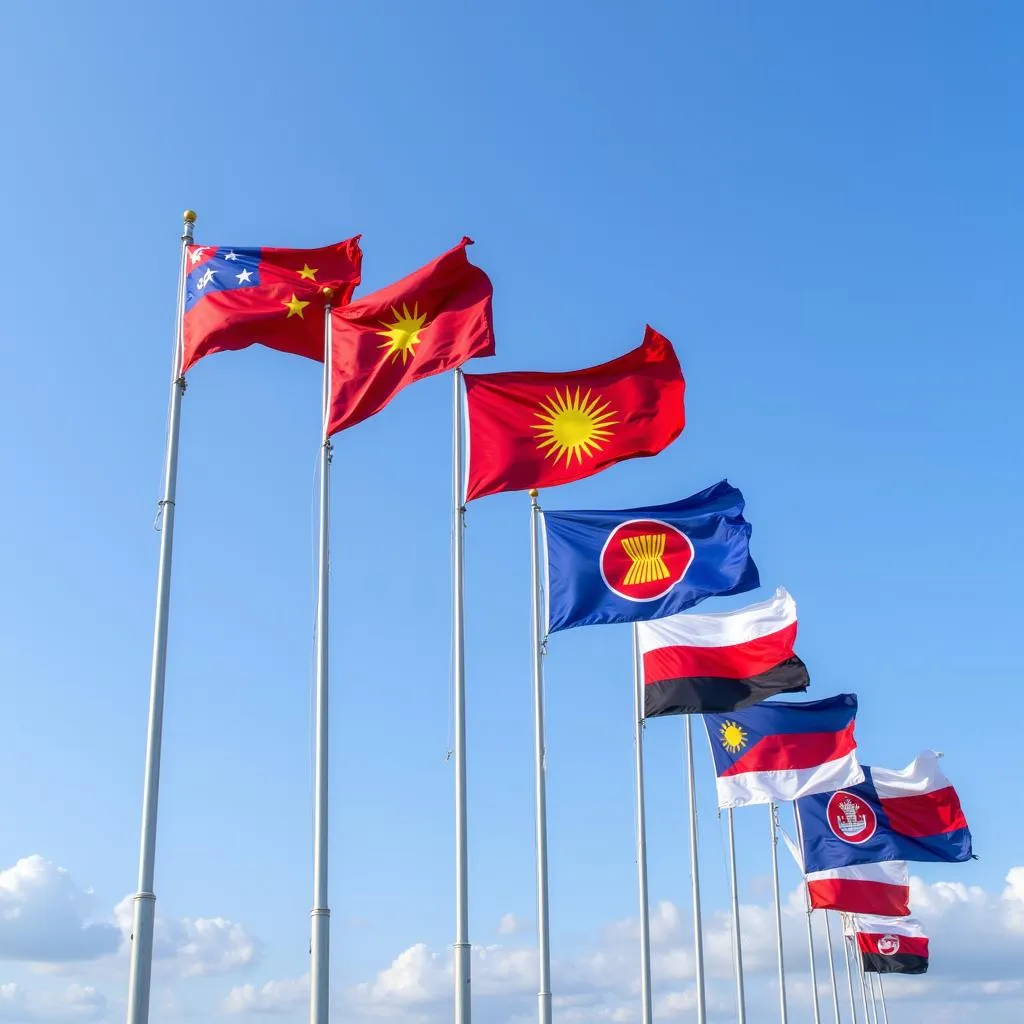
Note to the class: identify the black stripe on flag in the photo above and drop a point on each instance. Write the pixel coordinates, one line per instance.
(696, 694)
(898, 963)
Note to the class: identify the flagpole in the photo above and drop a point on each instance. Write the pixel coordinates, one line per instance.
(869, 978)
(773, 823)
(810, 926)
(698, 932)
(144, 908)
(539, 771)
(320, 939)
(737, 944)
(863, 984)
(849, 972)
(462, 951)
(881, 993)
(641, 835)
(831, 966)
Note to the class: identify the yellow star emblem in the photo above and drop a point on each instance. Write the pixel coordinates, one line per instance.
(308, 273)
(295, 306)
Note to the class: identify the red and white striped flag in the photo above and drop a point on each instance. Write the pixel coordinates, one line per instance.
(879, 889)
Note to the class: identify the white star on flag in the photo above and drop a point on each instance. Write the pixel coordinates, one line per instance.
(231, 255)
(205, 279)
(244, 276)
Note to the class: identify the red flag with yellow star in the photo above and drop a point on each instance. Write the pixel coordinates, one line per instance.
(235, 298)
(542, 429)
(433, 320)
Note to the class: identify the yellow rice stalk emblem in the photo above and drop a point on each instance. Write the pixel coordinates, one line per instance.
(647, 558)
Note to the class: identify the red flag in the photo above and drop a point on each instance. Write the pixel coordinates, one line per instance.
(433, 320)
(235, 298)
(542, 429)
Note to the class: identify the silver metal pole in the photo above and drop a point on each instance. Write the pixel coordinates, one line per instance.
(881, 993)
(539, 770)
(849, 973)
(320, 943)
(773, 820)
(462, 950)
(737, 943)
(810, 926)
(870, 978)
(698, 931)
(144, 909)
(863, 984)
(641, 835)
(831, 967)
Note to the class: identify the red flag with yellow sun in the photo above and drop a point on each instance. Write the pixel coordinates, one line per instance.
(433, 320)
(542, 429)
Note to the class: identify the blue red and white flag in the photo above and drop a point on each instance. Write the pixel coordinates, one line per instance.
(636, 564)
(911, 814)
(882, 889)
(782, 751)
(239, 297)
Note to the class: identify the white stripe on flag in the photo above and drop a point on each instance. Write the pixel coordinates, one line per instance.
(921, 776)
(719, 629)
(908, 926)
(788, 784)
(891, 872)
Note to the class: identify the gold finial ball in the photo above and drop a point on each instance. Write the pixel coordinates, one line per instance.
(190, 216)
(534, 492)
(327, 293)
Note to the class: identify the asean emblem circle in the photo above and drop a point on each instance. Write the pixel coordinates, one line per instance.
(889, 945)
(851, 818)
(643, 559)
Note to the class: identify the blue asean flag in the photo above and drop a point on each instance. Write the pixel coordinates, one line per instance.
(644, 563)
(911, 814)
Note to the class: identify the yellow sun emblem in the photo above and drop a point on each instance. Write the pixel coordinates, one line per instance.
(734, 737)
(404, 334)
(571, 426)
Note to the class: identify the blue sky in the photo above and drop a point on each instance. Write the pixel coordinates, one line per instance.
(820, 207)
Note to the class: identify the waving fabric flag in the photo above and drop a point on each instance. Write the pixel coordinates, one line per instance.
(781, 751)
(722, 661)
(542, 429)
(235, 298)
(882, 889)
(912, 814)
(891, 946)
(636, 564)
(433, 320)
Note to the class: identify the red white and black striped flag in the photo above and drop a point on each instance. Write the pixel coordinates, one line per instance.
(891, 945)
(722, 661)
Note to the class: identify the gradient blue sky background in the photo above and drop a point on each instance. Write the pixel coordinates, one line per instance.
(820, 206)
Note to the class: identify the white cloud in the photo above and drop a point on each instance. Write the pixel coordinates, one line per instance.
(194, 946)
(45, 916)
(511, 925)
(13, 1004)
(76, 1003)
(47, 919)
(272, 997)
(84, 1002)
(48, 922)
(977, 949)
